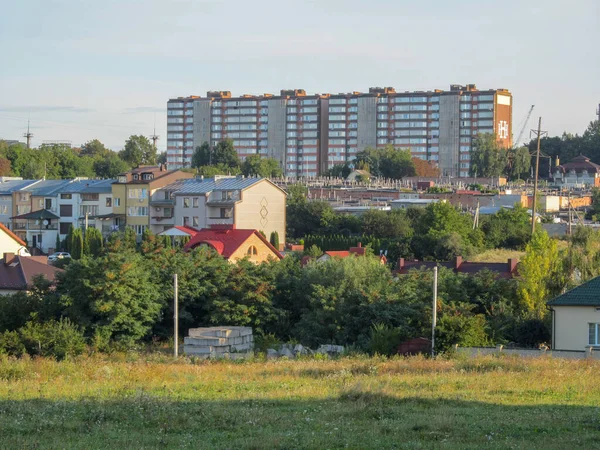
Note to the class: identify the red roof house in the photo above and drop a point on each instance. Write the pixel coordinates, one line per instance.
(233, 244)
(17, 272)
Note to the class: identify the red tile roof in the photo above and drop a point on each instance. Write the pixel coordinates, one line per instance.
(579, 164)
(226, 240)
(19, 271)
(189, 230)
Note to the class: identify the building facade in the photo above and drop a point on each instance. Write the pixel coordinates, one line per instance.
(246, 203)
(309, 134)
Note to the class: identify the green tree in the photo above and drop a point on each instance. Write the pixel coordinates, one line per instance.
(383, 224)
(69, 238)
(218, 169)
(274, 239)
(508, 228)
(387, 162)
(114, 295)
(519, 162)
(57, 244)
(255, 165)
(202, 156)
(77, 244)
(93, 242)
(94, 149)
(225, 153)
(138, 150)
(110, 166)
(536, 272)
(339, 171)
(488, 158)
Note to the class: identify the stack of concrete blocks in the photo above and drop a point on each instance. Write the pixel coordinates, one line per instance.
(219, 342)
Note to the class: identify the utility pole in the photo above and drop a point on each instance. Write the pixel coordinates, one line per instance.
(539, 133)
(175, 316)
(434, 317)
(28, 136)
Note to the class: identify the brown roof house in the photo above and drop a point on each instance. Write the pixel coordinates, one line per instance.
(578, 172)
(17, 267)
(18, 272)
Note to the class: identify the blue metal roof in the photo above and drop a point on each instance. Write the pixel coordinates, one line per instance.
(8, 187)
(87, 186)
(199, 186)
(46, 187)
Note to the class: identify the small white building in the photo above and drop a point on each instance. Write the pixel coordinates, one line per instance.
(412, 203)
(576, 318)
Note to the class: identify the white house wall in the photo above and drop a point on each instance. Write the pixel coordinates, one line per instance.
(570, 326)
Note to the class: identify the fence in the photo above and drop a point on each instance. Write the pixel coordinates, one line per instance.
(590, 353)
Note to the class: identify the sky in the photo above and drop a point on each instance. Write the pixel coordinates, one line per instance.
(82, 70)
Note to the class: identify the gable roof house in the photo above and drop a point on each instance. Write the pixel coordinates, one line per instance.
(18, 272)
(233, 244)
(578, 172)
(576, 318)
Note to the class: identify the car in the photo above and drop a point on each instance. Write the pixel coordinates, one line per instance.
(58, 255)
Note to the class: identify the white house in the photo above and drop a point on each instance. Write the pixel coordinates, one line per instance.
(576, 318)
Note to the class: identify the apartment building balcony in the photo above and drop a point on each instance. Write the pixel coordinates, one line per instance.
(107, 229)
(162, 220)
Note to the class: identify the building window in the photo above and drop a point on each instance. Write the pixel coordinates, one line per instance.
(64, 227)
(138, 211)
(186, 221)
(252, 251)
(66, 210)
(226, 195)
(195, 221)
(90, 197)
(225, 213)
(138, 193)
(594, 333)
(66, 196)
(186, 202)
(109, 202)
(117, 201)
(195, 202)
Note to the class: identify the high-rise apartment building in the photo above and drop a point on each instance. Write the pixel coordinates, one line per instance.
(309, 134)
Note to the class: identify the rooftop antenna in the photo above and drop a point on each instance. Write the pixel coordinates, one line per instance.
(28, 135)
(154, 136)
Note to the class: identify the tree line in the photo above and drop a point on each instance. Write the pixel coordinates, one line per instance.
(59, 161)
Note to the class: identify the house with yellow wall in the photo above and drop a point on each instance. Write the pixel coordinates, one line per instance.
(131, 195)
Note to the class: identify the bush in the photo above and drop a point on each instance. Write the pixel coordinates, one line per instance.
(464, 329)
(275, 239)
(11, 344)
(60, 339)
(384, 339)
(531, 333)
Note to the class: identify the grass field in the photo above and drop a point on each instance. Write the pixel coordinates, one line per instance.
(149, 401)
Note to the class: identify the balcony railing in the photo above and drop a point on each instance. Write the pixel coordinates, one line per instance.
(112, 228)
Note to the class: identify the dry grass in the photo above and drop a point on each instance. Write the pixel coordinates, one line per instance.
(497, 255)
(149, 401)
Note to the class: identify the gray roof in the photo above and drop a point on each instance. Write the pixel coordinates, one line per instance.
(47, 187)
(87, 186)
(199, 187)
(8, 187)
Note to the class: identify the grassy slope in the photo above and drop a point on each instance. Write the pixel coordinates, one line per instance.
(349, 403)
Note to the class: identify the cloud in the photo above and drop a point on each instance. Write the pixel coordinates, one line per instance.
(48, 108)
(144, 109)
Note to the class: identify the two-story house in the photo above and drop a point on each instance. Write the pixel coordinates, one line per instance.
(8, 186)
(81, 202)
(131, 195)
(35, 213)
(246, 203)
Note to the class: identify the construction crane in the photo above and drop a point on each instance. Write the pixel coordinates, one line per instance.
(516, 143)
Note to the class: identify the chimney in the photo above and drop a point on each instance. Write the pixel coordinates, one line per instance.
(359, 245)
(512, 264)
(400, 263)
(8, 257)
(457, 262)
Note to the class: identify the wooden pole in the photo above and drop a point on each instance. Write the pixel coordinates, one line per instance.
(535, 185)
(175, 316)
